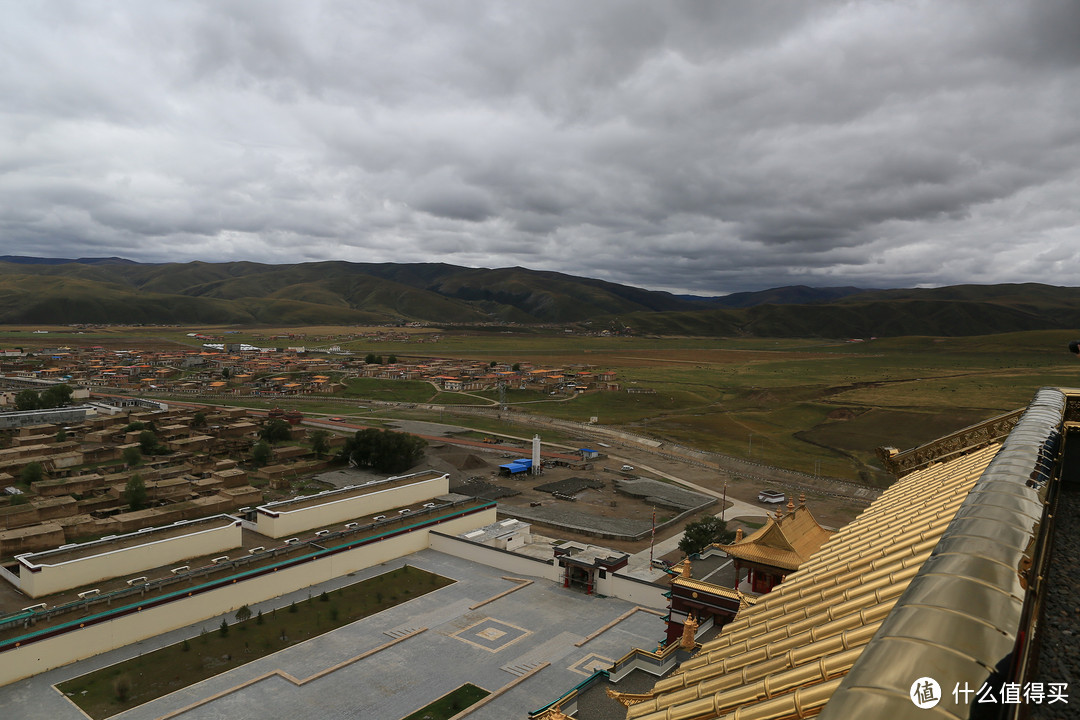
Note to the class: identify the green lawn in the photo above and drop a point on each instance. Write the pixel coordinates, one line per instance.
(163, 671)
(450, 704)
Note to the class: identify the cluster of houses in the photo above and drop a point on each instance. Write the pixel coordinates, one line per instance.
(236, 370)
(84, 474)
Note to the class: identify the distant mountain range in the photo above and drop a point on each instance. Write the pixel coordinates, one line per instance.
(115, 290)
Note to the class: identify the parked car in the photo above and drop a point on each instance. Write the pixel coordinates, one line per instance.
(771, 496)
(662, 564)
(627, 468)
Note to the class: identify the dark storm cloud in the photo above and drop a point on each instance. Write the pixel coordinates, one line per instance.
(700, 146)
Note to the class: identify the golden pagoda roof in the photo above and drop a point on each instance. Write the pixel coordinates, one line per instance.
(785, 542)
(786, 654)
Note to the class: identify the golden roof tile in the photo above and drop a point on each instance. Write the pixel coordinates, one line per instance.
(785, 655)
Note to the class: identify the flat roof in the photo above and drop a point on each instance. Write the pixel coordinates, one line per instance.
(109, 544)
(329, 496)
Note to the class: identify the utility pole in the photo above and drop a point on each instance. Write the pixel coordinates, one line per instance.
(652, 540)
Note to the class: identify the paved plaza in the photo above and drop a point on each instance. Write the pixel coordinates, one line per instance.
(531, 645)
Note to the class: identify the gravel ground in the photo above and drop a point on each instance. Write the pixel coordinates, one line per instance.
(664, 494)
(576, 520)
(1059, 659)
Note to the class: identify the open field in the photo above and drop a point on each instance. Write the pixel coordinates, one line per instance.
(810, 405)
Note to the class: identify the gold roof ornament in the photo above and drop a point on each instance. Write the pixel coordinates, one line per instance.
(686, 569)
(690, 626)
(628, 699)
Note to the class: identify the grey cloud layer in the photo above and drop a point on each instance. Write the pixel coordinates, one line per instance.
(703, 147)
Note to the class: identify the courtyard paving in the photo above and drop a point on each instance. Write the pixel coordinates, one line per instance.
(540, 629)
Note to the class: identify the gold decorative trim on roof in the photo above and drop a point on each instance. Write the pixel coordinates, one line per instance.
(994, 430)
(785, 655)
(962, 619)
(700, 586)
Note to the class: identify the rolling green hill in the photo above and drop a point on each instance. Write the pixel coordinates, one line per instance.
(369, 293)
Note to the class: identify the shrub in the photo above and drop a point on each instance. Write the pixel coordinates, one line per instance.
(122, 688)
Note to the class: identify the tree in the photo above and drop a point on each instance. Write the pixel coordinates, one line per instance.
(243, 613)
(122, 687)
(135, 492)
(31, 473)
(699, 534)
(198, 419)
(61, 435)
(384, 450)
(392, 359)
(493, 363)
(320, 442)
(516, 367)
(56, 396)
(148, 442)
(27, 400)
(225, 374)
(276, 430)
(132, 456)
(261, 453)
(132, 427)
(223, 629)
(370, 358)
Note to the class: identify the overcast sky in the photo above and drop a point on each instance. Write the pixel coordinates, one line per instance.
(704, 147)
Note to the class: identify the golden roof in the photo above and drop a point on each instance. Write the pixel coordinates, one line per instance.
(784, 542)
(785, 655)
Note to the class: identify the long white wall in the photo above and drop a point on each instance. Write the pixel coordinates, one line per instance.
(36, 657)
(38, 579)
(639, 593)
(493, 557)
(614, 585)
(276, 523)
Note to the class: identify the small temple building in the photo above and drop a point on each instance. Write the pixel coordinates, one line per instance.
(776, 549)
(762, 561)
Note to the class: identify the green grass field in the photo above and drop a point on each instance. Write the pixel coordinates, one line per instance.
(811, 405)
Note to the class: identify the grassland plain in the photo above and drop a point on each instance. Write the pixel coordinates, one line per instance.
(806, 404)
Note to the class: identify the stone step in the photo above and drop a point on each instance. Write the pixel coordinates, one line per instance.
(400, 632)
(519, 670)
